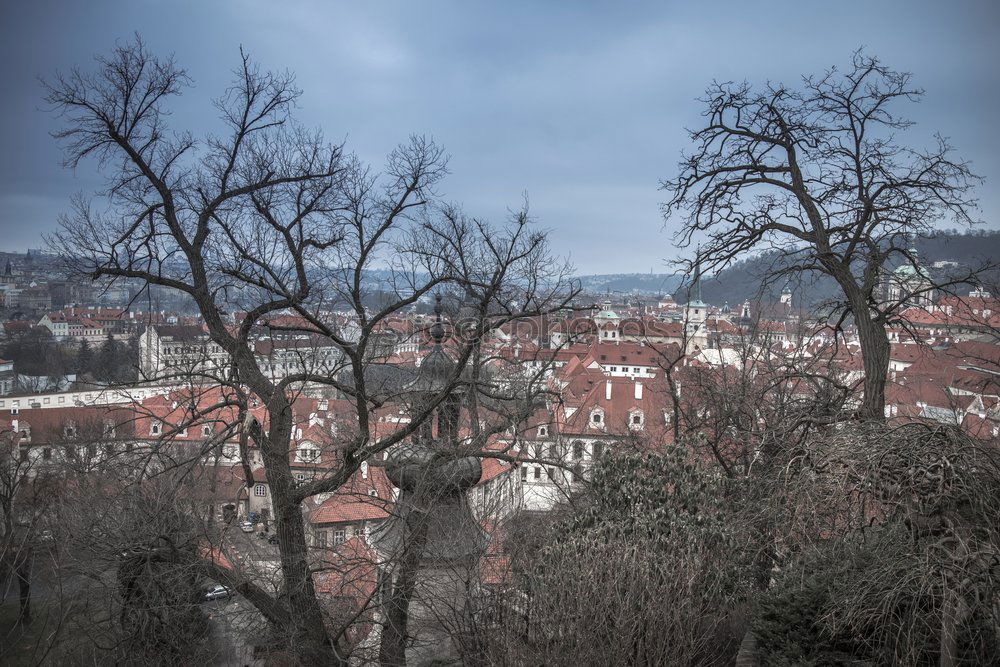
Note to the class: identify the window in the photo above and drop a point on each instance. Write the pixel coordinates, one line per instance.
(300, 476)
(598, 449)
(69, 430)
(338, 536)
(538, 473)
(524, 473)
(596, 417)
(154, 428)
(553, 451)
(206, 430)
(577, 450)
(24, 454)
(636, 418)
(47, 454)
(321, 539)
(308, 454)
(372, 493)
(543, 431)
(259, 490)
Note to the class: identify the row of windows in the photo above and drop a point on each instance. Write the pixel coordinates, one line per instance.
(156, 428)
(578, 450)
(554, 474)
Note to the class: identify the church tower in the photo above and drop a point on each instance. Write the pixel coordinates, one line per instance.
(695, 314)
(431, 545)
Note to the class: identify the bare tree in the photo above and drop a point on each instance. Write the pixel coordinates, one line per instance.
(817, 173)
(267, 219)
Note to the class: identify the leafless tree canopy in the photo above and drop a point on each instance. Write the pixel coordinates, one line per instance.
(267, 218)
(819, 173)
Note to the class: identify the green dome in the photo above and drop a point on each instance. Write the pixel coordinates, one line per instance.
(910, 271)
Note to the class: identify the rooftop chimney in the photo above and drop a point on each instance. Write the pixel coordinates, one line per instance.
(638, 391)
(607, 390)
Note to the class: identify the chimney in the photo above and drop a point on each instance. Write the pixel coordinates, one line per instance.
(638, 391)
(607, 390)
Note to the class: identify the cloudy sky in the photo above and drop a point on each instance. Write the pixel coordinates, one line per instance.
(581, 105)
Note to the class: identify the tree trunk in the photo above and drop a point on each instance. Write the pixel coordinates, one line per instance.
(875, 357)
(874, 345)
(952, 615)
(23, 570)
(306, 631)
(392, 648)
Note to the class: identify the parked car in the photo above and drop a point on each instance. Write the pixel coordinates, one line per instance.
(246, 527)
(219, 592)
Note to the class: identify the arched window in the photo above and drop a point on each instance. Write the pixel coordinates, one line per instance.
(307, 452)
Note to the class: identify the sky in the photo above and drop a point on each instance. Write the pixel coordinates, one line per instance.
(580, 106)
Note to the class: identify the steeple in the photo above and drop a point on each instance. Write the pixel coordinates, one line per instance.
(433, 475)
(786, 294)
(437, 331)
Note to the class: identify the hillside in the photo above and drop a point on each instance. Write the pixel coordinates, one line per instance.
(743, 280)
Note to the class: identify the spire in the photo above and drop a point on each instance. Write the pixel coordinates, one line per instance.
(437, 331)
(696, 286)
(697, 273)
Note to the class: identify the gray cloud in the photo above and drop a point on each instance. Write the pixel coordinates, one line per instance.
(581, 105)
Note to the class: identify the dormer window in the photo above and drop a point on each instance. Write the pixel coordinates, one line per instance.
(596, 417)
(206, 430)
(69, 430)
(636, 419)
(154, 428)
(307, 454)
(543, 431)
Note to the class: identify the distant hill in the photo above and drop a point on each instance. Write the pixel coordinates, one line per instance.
(630, 283)
(743, 280)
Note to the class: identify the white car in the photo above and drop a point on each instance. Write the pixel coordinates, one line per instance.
(219, 592)
(246, 527)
